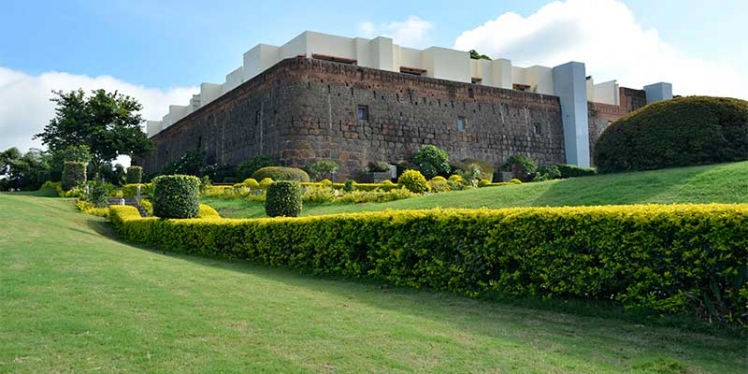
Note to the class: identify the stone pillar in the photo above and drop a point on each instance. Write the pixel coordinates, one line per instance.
(658, 92)
(570, 85)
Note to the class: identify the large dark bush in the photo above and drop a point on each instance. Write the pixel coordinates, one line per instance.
(73, 175)
(283, 199)
(522, 167)
(685, 131)
(134, 174)
(176, 196)
(281, 173)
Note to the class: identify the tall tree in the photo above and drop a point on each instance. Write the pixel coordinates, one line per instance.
(25, 172)
(107, 122)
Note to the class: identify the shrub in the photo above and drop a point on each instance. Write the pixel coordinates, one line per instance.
(358, 197)
(326, 183)
(413, 181)
(318, 195)
(176, 196)
(662, 258)
(51, 188)
(283, 199)
(253, 184)
(431, 161)
(323, 168)
(131, 190)
(348, 186)
(484, 183)
(247, 168)
(207, 211)
(265, 183)
(379, 167)
(439, 184)
(98, 196)
(134, 175)
(547, 172)
(514, 181)
(281, 173)
(522, 167)
(73, 175)
(486, 169)
(679, 132)
(456, 178)
(89, 208)
(574, 171)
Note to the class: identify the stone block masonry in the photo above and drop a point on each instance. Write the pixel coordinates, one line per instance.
(303, 110)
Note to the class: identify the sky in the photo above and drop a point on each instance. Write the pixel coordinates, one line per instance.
(160, 51)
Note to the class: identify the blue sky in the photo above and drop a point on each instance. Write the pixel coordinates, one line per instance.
(161, 50)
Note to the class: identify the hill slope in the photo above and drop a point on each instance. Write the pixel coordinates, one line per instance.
(74, 300)
(724, 183)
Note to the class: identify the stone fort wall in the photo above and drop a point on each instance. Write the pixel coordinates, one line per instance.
(304, 110)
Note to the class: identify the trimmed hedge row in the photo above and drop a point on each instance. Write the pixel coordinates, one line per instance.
(669, 259)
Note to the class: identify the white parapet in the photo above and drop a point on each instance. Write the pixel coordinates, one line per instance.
(152, 128)
(195, 103)
(209, 92)
(606, 93)
(177, 112)
(233, 80)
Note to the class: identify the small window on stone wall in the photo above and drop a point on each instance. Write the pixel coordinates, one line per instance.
(461, 121)
(363, 112)
(537, 129)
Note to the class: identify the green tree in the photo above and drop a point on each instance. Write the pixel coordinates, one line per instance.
(24, 172)
(431, 161)
(477, 56)
(107, 122)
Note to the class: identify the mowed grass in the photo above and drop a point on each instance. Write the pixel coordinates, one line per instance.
(75, 300)
(724, 183)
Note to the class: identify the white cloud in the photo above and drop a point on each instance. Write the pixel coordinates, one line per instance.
(605, 35)
(25, 107)
(413, 32)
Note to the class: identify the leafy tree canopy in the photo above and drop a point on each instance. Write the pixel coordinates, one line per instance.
(107, 122)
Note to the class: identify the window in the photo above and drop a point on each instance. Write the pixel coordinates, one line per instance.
(521, 87)
(461, 123)
(537, 129)
(412, 71)
(363, 112)
(476, 81)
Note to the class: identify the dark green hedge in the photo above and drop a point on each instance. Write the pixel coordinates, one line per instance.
(574, 171)
(281, 173)
(684, 131)
(176, 196)
(134, 175)
(283, 199)
(666, 258)
(73, 175)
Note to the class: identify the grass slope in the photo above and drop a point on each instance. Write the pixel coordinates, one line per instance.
(725, 183)
(74, 300)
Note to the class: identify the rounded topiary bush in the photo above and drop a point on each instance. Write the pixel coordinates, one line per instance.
(73, 175)
(414, 181)
(684, 131)
(281, 173)
(265, 183)
(176, 196)
(134, 174)
(283, 199)
(252, 183)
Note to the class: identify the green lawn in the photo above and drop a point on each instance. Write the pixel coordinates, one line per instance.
(75, 300)
(725, 183)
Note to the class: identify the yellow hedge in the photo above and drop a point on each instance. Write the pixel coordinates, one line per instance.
(669, 259)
